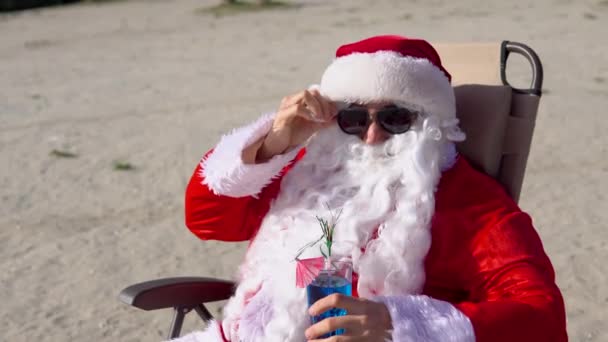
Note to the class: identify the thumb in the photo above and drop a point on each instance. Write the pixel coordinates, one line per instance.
(315, 87)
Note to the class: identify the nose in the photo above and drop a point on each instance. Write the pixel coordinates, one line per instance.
(374, 134)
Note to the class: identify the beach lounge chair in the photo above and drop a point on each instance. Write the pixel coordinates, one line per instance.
(497, 118)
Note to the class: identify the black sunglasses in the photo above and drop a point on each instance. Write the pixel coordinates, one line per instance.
(393, 119)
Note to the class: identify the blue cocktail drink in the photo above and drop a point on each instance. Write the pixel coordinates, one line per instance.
(333, 279)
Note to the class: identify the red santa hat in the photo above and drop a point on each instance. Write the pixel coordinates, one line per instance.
(391, 68)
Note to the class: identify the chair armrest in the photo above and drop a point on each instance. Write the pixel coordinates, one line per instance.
(184, 292)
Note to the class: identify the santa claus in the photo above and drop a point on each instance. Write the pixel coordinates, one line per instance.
(439, 251)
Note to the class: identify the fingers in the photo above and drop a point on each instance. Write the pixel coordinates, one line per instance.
(310, 105)
(304, 111)
(354, 306)
(328, 107)
(343, 338)
(353, 326)
(368, 337)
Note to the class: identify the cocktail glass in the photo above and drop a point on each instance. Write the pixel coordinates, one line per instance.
(335, 277)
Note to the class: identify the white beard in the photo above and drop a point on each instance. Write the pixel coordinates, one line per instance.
(387, 188)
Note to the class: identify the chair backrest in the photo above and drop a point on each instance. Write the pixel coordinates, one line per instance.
(497, 118)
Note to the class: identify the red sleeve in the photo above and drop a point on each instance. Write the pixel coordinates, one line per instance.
(512, 295)
(216, 217)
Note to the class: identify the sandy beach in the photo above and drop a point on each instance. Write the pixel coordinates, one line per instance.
(105, 110)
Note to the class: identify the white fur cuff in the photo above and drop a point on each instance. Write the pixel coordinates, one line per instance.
(422, 318)
(224, 171)
(211, 334)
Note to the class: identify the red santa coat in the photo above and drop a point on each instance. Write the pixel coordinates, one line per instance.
(486, 258)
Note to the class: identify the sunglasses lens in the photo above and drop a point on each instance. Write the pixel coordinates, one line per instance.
(396, 120)
(353, 120)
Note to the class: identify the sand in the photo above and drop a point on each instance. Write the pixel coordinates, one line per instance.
(153, 84)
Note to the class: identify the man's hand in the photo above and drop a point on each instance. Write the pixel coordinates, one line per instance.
(299, 116)
(366, 320)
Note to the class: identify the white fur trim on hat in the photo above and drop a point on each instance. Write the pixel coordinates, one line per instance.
(389, 76)
(224, 171)
(422, 318)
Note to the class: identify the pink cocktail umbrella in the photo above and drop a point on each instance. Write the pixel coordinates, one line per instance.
(307, 270)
